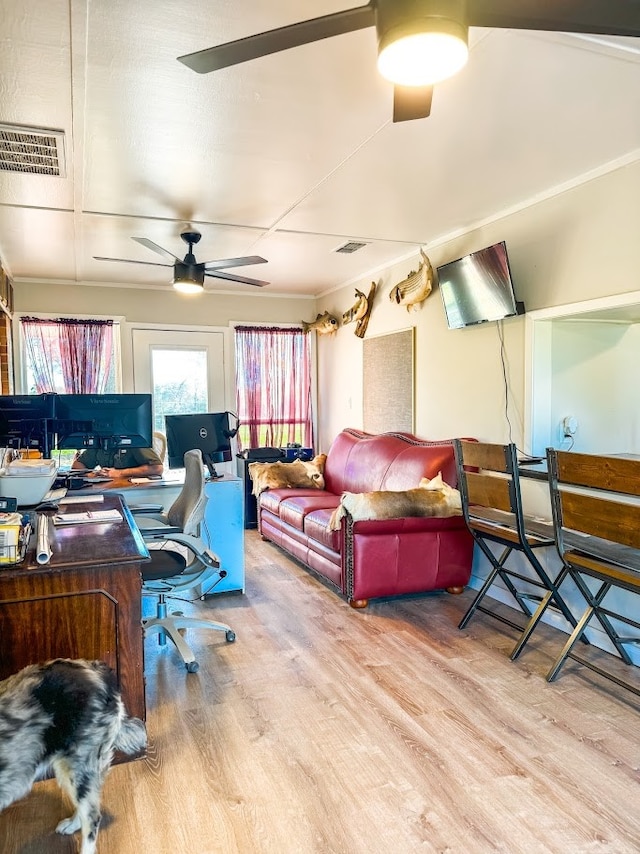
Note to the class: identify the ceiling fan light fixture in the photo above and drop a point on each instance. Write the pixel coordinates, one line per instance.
(423, 52)
(189, 278)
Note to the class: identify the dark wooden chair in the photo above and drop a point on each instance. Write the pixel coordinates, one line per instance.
(489, 485)
(597, 527)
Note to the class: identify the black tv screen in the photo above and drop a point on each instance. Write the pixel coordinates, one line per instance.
(103, 421)
(478, 288)
(208, 432)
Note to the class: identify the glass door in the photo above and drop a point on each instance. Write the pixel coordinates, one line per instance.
(184, 371)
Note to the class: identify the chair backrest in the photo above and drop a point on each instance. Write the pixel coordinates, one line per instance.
(160, 444)
(187, 511)
(589, 495)
(488, 480)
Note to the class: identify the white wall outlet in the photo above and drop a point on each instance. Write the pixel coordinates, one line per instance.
(569, 426)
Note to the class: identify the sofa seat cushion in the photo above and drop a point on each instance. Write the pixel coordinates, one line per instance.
(316, 526)
(271, 498)
(293, 510)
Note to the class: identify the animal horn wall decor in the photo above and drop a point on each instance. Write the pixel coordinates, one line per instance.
(324, 324)
(413, 290)
(360, 311)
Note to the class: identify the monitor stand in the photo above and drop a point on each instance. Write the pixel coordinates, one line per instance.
(213, 474)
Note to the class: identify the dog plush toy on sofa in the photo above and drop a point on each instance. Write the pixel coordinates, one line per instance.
(375, 557)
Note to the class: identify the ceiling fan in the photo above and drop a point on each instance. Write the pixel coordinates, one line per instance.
(429, 34)
(188, 274)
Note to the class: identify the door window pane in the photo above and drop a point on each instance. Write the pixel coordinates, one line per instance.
(179, 382)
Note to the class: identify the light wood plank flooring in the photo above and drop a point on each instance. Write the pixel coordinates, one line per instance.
(324, 730)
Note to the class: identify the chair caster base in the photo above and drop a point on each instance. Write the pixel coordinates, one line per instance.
(230, 636)
(192, 666)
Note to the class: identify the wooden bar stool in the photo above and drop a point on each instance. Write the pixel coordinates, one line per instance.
(489, 486)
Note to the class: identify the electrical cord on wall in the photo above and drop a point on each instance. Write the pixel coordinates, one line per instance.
(503, 362)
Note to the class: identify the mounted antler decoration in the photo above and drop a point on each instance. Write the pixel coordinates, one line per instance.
(360, 311)
(413, 290)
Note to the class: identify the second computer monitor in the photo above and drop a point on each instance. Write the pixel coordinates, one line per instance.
(207, 432)
(103, 421)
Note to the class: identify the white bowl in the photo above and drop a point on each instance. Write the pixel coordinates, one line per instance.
(28, 489)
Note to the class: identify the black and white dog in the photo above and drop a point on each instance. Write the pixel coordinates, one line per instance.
(66, 715)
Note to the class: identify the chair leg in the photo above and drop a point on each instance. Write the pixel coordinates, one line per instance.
(165, 628)
(495, 570)
(169, 624)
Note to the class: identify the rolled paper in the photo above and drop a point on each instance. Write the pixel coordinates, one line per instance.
(43, 548)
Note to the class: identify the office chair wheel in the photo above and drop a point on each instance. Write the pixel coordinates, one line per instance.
(192, 666)
(230, 636)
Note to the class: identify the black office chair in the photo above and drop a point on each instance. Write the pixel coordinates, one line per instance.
(169, 573)
(489, 487)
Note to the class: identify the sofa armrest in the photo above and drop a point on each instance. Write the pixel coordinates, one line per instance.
(408, 555)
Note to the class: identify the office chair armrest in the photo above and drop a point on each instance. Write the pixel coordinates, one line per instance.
(159, 533)
(194, 544)
(145, 508)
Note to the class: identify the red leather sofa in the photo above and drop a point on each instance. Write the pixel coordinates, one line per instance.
(377, 558)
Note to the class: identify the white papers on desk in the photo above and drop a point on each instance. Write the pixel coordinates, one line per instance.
(82, 499)
(87, 516)
(43, 545)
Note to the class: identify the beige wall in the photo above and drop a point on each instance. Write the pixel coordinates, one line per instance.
(578, 245)
(161, 306)
(575, 246)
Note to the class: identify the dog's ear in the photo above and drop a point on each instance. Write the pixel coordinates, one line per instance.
(434, 483)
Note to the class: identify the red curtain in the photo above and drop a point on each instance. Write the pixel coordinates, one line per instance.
(273, 387)
(69, 356)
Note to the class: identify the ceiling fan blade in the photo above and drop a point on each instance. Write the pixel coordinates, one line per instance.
(234, 262)
(131, 261)
(283, 38)
(144, 241)
(231, 277)
(411, 102)
(605, 17)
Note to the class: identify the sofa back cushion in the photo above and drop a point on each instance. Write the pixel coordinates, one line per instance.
(363, 462)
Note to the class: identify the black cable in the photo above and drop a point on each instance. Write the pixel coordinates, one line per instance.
(506, 387)
(504, 378)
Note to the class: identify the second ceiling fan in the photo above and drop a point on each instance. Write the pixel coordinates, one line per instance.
(431, 35)
(188, 274)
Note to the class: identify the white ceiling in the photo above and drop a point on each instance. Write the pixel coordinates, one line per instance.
(288, 156)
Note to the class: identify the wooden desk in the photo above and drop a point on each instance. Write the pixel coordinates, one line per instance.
(85, 603)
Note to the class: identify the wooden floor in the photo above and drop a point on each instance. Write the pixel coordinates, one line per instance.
(324, 729)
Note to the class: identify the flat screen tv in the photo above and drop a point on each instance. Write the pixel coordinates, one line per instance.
(478, 288)
(103, 421)
(207, 432)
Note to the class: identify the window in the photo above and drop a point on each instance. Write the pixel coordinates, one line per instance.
(179, 378)
(69, 356)
(273, 387)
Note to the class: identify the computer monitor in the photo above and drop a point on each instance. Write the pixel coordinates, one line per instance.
(103, 421)
(207, 432)
(25, 421)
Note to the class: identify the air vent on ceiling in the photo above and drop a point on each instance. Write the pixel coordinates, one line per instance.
(351, 246)
(36, 151)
